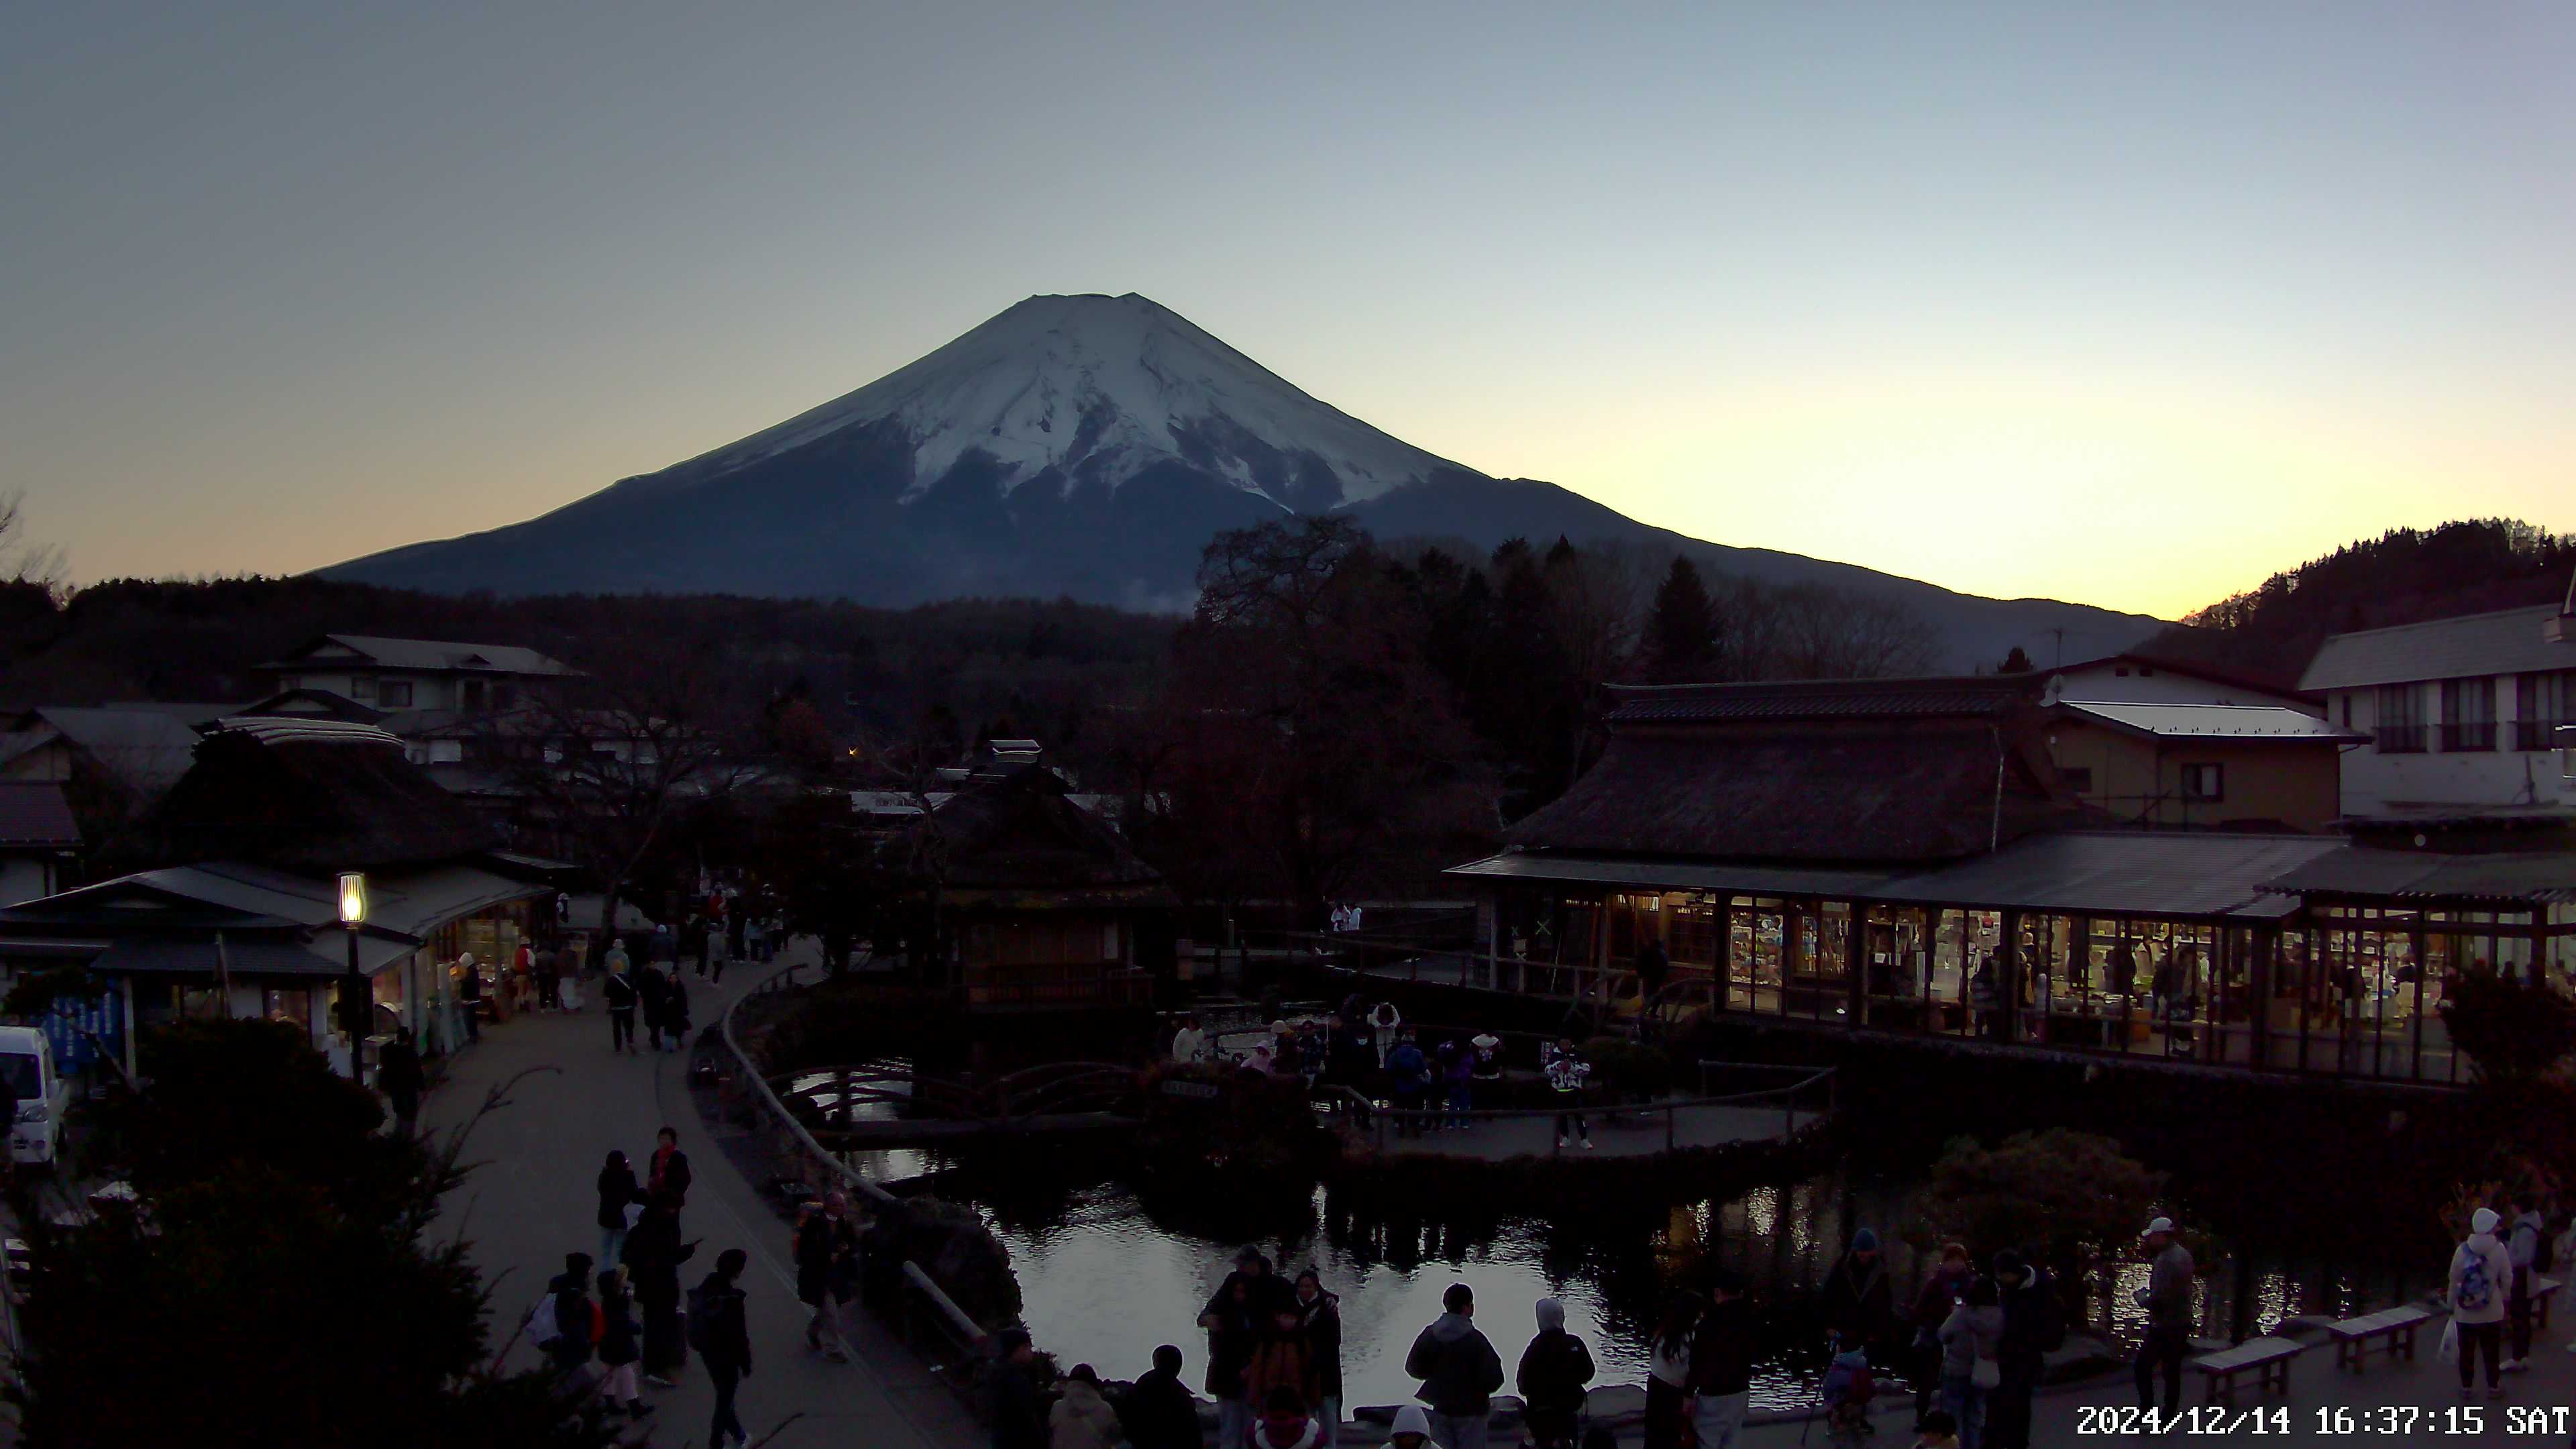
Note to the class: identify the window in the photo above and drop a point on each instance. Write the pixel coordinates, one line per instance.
(2468, 714)
(2542, 702)
(2204, 782)
(2346, 700)
(362, 686)
(472, 694)
(446, 752)
(393, 694)
(2401, 719)
(2078, 779)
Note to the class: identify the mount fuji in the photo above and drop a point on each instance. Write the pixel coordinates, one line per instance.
(1085, 446)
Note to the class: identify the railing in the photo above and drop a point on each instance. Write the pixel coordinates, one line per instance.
(2538, 734)
(2466, 735)
(1380, 1118)
(926, 1312)
(2399, 739)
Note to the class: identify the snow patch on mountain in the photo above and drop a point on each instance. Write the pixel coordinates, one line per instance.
(1102, 388)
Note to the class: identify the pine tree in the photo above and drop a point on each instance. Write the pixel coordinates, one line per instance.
(2016, 662)
(1681, 637)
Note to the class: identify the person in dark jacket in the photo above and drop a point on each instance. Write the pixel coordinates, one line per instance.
(1939, 1294)
(1019, 1406)
(1554, 1369)
(1857, 1296)
(469, 995)
(727, 1341)
(1721, 1365)
(1319, 1318)
(2032, 1326)
(1459, 1371)
(399, 1077)
(1246, 1304)
(667, 1172)
(617, 1189)
(618, 1353)
(824, 1248)
(622, 996)
(675, 1013)
(654, 1251)
(652, 990)
(1160, 1412)
(573, 1341)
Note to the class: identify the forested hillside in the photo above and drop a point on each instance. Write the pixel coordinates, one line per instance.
(2404, 576)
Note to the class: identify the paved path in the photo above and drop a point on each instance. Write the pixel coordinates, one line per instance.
(533, 1200)
(1635, 1133)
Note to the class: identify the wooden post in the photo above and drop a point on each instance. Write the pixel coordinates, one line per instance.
(1855, 976)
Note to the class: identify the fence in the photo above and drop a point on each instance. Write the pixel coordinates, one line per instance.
(1379, 1118)
(924, 1313)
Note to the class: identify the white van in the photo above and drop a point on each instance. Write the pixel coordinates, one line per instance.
(27, 1064)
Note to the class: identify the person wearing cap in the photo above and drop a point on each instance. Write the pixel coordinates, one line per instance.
(1411, 1430)
(2033, 1324)
(2167, 1299)
(1858, 1298)
(1019, 1407)
(1553, 1370)
(2480, 1273)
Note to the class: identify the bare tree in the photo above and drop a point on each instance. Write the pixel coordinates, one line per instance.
(22, 562)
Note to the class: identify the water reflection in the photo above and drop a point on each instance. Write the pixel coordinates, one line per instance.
(1105, 1278)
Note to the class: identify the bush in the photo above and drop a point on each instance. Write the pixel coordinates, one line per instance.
(2512, 1030)
(1628, 1070)
(2063, 1193)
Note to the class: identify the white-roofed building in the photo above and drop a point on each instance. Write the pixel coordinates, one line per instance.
(2461, 716)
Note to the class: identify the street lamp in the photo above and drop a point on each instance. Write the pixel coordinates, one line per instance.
(353, 987)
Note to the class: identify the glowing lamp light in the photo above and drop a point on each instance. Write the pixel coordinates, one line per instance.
(353, 899)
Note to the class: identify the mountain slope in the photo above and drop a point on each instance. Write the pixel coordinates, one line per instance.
(1084, 446)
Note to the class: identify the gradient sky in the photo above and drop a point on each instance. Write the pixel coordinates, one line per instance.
(2131, 304)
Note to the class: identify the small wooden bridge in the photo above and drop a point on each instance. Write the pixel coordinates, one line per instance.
(879, 1105)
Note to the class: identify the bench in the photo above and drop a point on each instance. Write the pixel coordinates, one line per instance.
(2268, 1359)
(2397, 1326)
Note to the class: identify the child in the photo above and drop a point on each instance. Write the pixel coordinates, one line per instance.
(1847, 1392)
(1412, 1428)
(617, 1345)
(1284, 1424)
(1566, 1070)
(1937, 1431)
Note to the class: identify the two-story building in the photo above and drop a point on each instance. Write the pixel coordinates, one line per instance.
(2183, 747)
(393, 675)
(2474, 715)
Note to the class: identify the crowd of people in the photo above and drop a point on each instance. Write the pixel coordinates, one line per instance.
(1432, 1082)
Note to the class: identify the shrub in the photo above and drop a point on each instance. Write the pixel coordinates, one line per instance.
(2512, 1030)
(2061, 1192)
(1627, 1069)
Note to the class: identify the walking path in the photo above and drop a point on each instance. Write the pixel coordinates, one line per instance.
(533, 1200)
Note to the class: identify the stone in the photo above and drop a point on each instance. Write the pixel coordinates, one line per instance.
(1618, 1405)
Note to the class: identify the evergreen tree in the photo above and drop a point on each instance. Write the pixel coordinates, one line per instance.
(1681, 635)
(2016, 662)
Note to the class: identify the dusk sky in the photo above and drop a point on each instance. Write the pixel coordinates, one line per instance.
(2125, 304)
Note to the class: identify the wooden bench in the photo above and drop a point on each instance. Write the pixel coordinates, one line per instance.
(2268, 1359)
(2397, 1326)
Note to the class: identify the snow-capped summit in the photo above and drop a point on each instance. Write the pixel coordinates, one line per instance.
(1082, 447)
(1092, 390)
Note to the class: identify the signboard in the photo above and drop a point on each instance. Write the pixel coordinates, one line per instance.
(81, 1030)
(1202, 1091)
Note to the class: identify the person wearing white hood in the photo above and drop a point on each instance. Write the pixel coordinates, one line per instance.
(2476, 1289)
(1412, 1429)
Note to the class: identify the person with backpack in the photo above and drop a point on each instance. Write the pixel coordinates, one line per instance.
(2034, 1326)
(2526, 1249)
(2167, 1299)
(618, 1353)
(575, 1334)
(1848, 1388)
(721, 1333)
(1459, 1371)
(1553, 1370)
(1159, 1412)
(1279, 1361)
(2476, 1286)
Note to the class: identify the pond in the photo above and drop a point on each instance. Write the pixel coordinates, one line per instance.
(1106, 1274)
